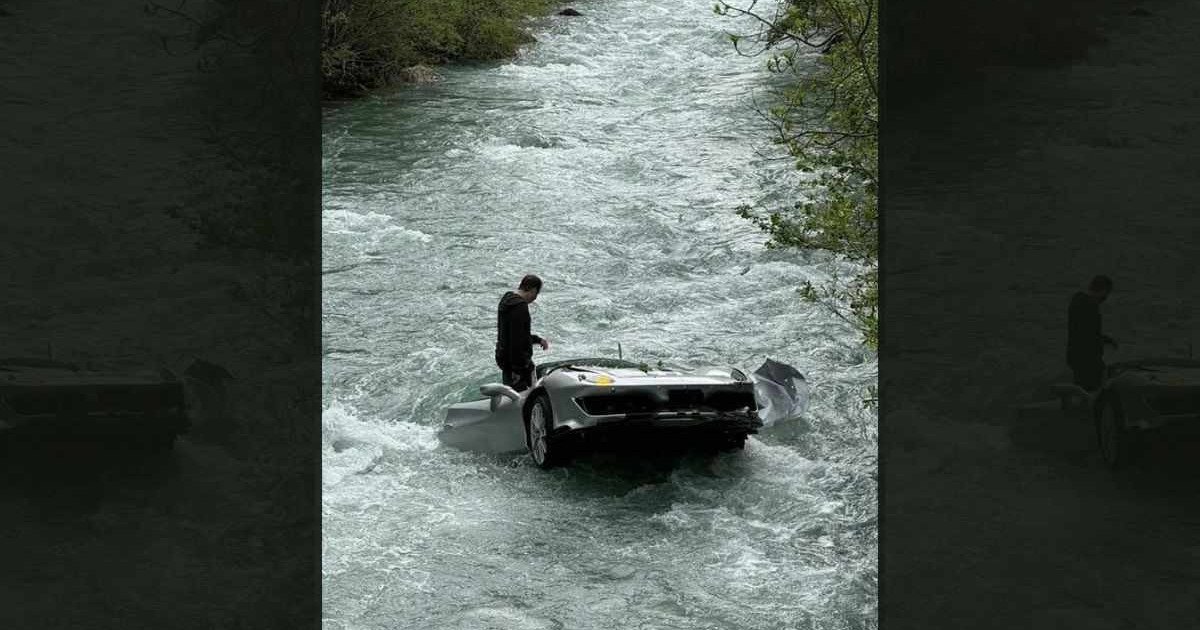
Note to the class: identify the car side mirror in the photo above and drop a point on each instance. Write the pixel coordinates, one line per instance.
(495, 390)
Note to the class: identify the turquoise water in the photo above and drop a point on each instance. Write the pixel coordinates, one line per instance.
(607, 158)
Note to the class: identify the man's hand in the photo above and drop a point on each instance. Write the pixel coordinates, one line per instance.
(544, 343)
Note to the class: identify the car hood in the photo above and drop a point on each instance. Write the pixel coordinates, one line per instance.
(1174, 377)
(1157, 374)
(662, 377)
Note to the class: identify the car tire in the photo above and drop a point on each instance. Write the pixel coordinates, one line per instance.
(1116, 442)
(539, 423)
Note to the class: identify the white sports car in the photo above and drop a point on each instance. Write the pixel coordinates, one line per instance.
(578, 403)
(1142, 395)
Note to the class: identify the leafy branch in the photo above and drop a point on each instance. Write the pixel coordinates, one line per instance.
(828, 120)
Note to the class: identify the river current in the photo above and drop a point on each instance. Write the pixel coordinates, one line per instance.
(607, 158)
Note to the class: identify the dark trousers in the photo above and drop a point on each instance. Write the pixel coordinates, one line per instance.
(1089, 374)
(519, 379)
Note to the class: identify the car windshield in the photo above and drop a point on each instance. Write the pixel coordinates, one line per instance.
(546, 368)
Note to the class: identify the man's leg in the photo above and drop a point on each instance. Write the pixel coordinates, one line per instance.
(529, 376)
(1089, 375)
(519, 379)
(514, 379)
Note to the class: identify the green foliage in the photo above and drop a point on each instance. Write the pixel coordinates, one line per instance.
(366, 43)
(827, 118)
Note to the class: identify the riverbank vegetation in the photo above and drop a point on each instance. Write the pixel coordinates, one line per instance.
(827, 117)
(366, 44)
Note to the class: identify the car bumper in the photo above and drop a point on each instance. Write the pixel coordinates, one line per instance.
(1155, 406)
(661, 427)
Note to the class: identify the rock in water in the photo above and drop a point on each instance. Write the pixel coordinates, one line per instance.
(422, 75)
(570, 11)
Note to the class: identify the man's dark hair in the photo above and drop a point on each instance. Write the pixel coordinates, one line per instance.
(1101, 284)
(531, 283)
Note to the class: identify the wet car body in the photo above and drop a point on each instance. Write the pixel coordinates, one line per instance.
(52, 401)
(1144, 395)
(580, 404)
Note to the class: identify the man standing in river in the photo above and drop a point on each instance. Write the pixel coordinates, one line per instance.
(1085, 342)
(514, 342)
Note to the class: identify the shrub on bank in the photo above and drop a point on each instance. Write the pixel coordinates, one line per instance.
(367, 44)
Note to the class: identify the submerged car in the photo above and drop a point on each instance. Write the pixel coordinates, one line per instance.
(52, 401)
(581, 403)
(1143, 395)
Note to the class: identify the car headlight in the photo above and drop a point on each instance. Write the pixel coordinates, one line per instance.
(601, 379)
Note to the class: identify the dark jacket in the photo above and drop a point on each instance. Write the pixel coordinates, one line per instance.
(1085, 343)
(514, 342)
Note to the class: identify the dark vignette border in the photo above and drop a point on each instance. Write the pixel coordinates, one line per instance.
(161, 165)
(1026, 146)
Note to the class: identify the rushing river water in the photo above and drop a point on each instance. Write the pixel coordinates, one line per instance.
(608, 159)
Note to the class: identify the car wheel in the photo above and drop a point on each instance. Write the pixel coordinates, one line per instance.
(538, 426)
(1116, 441)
